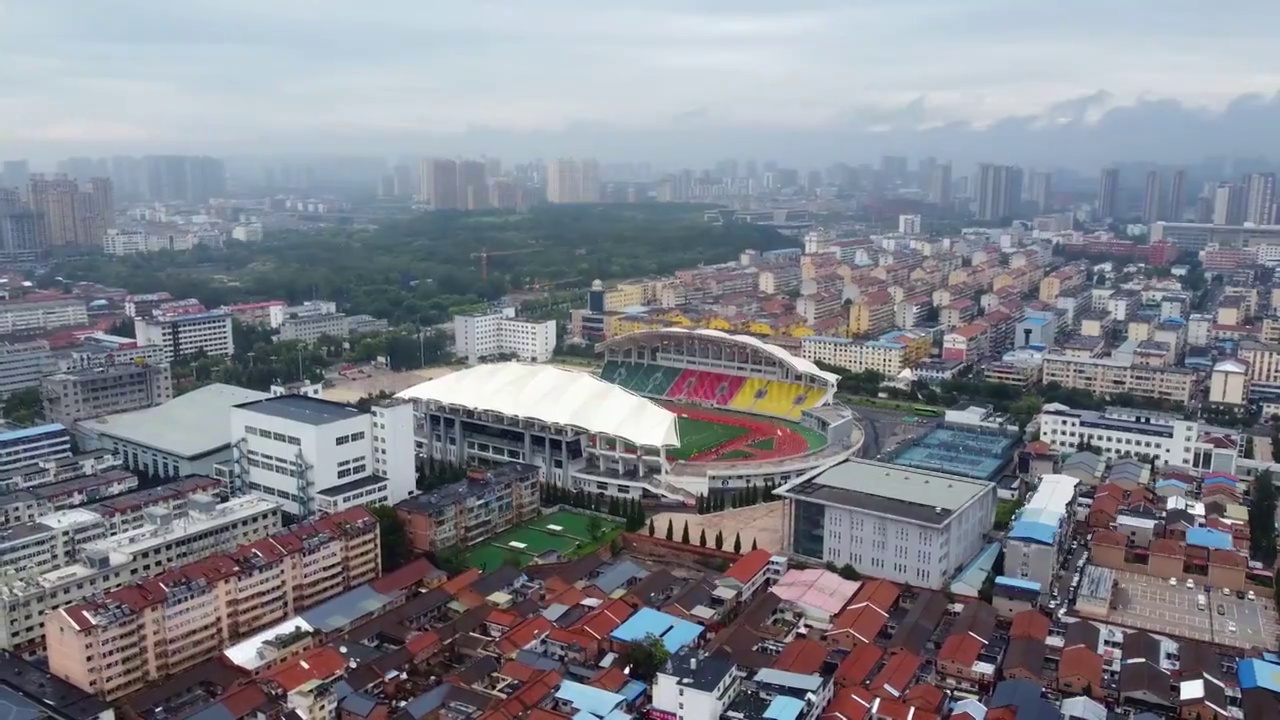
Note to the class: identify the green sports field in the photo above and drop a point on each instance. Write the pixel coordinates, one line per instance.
(563, 531)
(699, 435)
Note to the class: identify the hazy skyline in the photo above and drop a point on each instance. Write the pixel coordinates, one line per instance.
(626, 80)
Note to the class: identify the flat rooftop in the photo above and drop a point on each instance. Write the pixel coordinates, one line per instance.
(303, 409)
(189, 426)
(969, 453)
(920, 495)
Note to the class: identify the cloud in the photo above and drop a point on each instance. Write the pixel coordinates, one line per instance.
(241, 76)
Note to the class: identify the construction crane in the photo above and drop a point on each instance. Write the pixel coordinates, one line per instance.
(485, 254)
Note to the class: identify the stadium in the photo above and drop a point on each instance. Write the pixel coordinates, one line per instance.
(673, 414)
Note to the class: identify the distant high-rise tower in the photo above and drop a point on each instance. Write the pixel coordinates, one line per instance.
(1108, 194)
(940, 184)
(1151, 199)
(440, 183)
(893, 168)
(1042, 190)
(573, 181)
(473, 189)
(590, 188)
(1260, 199)
(402, 181)
(1177, 191)
(999, 191)
(14, 174)
(54, 200)
(1228, 204)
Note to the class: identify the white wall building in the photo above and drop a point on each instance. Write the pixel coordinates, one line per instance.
(310, 328)
(486, 334)
(17, 316)
(314, 455)
(183, 335)
(695, 685)
(1038, 537)
(910, 224)
(23, 364)
(888, 521)
(1123, 432)
(247, 232)
(311, 308)
(31, 445)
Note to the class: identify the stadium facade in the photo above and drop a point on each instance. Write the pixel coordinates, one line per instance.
(611, 435)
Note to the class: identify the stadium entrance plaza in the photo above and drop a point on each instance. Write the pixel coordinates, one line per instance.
(1150, 603)
(761, 523)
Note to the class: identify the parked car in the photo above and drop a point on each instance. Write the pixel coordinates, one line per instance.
(1251, 596)
(1191, 584)
(1222, 609)
(1231, 627)
(1240, 594)
(1173, 582)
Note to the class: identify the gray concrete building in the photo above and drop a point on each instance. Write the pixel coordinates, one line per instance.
(23, 364)
(94, 392)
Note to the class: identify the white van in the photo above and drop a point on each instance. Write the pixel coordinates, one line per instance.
(1201, 602)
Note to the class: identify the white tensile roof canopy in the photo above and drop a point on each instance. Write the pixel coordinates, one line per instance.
(554, 396)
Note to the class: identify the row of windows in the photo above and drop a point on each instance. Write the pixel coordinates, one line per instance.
(270, 435)
(272, 492)
(354, 470)
(353, 437)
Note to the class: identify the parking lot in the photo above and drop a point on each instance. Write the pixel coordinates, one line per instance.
(1150, 603)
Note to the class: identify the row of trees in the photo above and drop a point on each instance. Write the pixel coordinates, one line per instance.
(630, 510)
(748, 496)
(718, 541)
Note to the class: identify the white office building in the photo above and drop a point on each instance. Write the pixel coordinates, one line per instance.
(485, 335)
(1123, 432)
(183, 335)
(312, 308)
(18, 315)
(313, 455)
(71, 555)
(309, 328)
(1040, 535)
(247, 232)
(28, 446)
(888, 521)
(695, 685)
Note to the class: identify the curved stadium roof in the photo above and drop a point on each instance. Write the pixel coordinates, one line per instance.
(796, 362)
(554, 396)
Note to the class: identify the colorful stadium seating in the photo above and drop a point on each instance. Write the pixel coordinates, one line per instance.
(706, 387)
(777, 398)
(640, 378)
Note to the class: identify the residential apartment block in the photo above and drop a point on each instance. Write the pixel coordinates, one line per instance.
(58, 468)
(119, 643)
(23, 364)
(1112, 376)
(20, 448)
(464, 513)
(27, 506)
(184, 335)
(483, 335)
(889, 354)
(33, 316)
(94, 392)
(85, 555)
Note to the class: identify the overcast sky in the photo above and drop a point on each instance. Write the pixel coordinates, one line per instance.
(100, 76)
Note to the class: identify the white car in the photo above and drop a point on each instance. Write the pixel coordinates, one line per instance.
(1191, 584)
(1173, 582)
(1231, 628)
(1226, 591)
(1251, 596)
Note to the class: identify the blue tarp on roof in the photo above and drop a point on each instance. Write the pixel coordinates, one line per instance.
(1033, 531)
(633, 690)
(674, 632)
(1172, 483)
(1019, 583)
(1255, 673)
(1220, 480)
(589, 699)
(1209, 538)
(784, 708)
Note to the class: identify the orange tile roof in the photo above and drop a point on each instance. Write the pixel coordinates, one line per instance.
(518, 671)
(851, 704)
(405, 577)
(1166, 546)
(896, 675)
(611, 679)
(962, 649)
(322, 663)
(421, 643)
(802, 656)
(878, 593)
(600, 623)
(857, 665)
(863, 623)
(524, 634)
(1083, 662)
(527, 697)
(897, 710)
(503, 618)
(924, 697)
(1029, 624)
(748, 566)
(456, 584)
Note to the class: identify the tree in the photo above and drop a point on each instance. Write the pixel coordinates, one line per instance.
(513, 559)
(452, 560)
(394, 539)
(647, 657)
(651, 529)
(849, 572)
(595, 528)
(702, 537)
(613, 506)
(684, 534)
(719, 540)
(1025, 409)
(670, 530)
(24, 407)
(1262, 523)
(737, 543)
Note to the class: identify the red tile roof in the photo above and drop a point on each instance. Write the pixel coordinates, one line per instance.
(924, 697)
(404, 578)
(424, 643)
(611, 679)
(848, 704)
(898, 710)
(322, 663)
(1080, 661)
(1110, 538)
(857, 665)
(457, 584)
(878, 593)
(748, 566)
(600, 623)
(1030, 624)
(1227, 558)
(896, 675)
(862, 623)
(962, 649)
(1171, 548)
(802, 656)
(518, 671)
(524, 635)
(527, 697)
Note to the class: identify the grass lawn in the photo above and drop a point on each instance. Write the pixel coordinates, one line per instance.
(699, 435)
(736, 455)
(563, 531)
(764, 444)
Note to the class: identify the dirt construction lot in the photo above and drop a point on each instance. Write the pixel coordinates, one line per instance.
(762, 523)
(368, 381)
(1152, 604)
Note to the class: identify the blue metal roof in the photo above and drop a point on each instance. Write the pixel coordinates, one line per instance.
(1035, 321)
(784, 708)
(1034, 531)
(1209, 538)
(969, 581)
(31, 432)
(340, 611)
(1220, 480)
(633, 690)
(788, 679)
(1019, 583)
(597, 701)
(1255, 673)
(674, 632)
(1170, 483)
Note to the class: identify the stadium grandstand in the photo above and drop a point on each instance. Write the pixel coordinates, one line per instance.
(715, 369)
(586, 432)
